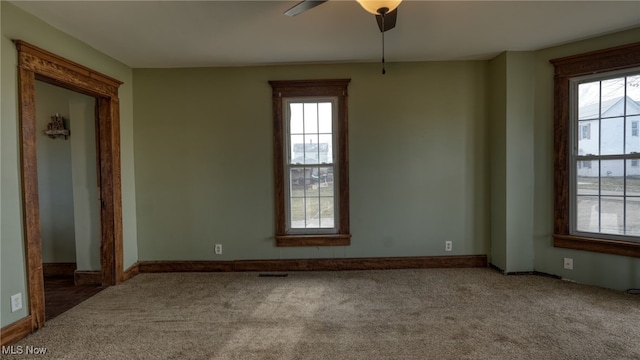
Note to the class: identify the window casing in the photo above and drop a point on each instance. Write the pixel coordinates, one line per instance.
(569, 161)
(311, 162)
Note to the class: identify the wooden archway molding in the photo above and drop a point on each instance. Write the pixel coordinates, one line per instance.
(38, 64)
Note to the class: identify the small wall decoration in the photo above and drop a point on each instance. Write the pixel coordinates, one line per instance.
(55, 129)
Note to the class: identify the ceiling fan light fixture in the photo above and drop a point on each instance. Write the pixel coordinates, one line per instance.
(376, 6)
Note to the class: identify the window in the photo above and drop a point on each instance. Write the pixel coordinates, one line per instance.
(596, 186)
(634, 128)
(606, 197)
(311, 162)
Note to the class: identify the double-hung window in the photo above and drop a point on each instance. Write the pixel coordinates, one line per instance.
(311, 162)
(597, 149)
(606, 195)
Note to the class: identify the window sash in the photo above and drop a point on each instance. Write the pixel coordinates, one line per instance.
(290, 165)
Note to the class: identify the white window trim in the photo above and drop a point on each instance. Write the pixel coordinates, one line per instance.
(574, 157)
(286, 101)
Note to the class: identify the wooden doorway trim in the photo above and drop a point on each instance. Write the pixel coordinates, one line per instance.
(38, 64)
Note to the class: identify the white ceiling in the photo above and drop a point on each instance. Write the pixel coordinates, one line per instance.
(145, 34)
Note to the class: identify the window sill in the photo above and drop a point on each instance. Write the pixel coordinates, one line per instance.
(314, 240)
(615, 247)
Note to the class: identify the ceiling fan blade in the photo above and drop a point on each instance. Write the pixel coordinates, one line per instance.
(303, 6)
(389, 20)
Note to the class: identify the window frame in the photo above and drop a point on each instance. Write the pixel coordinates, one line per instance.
(285, 90)
(288, 165)
(565, 69)
(576, 157)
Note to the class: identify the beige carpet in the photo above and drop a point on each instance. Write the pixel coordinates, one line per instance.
(392, 314)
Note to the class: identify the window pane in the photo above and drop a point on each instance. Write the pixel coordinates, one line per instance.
(296, 122)
(589, 100)
(633, 95)
(612, 180)
(311, 149)
(588, 181)
(327, 212)
(312, 176)
(633, 135)
(611, 141)
(297, 149)
(297, 212)
(587, 214)
(310, 118)
(588, 140)
(326, 181)
(324, 150)
(325, 115)
(297, 182)
(612, 215)
(633, 216)
(633, 177)
(612, 97)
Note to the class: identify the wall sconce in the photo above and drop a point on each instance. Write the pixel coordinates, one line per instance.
(55, 128)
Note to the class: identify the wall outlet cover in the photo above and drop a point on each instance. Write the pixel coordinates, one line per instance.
(16, 302)
(568, 263)
(448, 245)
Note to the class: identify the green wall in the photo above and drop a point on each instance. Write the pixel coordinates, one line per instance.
(497, 110)
(511, 123)
(16, 24)
(418, 160)
(55, 187)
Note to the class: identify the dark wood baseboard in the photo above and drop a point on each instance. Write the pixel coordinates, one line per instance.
(16, 331)
(87, 277)
(58, 269)
(132, 271)
(422, 262)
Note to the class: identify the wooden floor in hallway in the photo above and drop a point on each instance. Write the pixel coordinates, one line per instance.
(61, 294)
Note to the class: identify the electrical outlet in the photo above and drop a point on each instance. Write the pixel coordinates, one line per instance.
(568, 263)
(448, 245)
(16, 302)
(218, 249)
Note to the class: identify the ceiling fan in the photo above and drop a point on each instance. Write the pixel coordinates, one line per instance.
(386, 12)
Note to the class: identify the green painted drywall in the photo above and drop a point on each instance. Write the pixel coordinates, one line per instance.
(511, 119)
(55, 188)
(497, 110)
(519, 161)
(12, 269)
(85, 182)
(418, 160)
(617, 272)
(16, 24)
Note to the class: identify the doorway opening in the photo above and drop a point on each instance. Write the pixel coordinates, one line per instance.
(68, 196)
(35, 64)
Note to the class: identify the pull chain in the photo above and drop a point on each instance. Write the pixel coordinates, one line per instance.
(383, 70)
